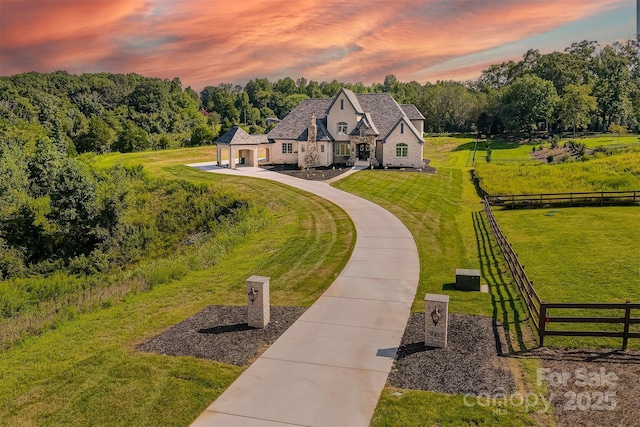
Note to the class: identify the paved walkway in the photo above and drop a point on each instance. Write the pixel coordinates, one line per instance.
(330, 366)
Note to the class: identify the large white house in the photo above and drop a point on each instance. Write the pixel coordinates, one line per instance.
(371, 127)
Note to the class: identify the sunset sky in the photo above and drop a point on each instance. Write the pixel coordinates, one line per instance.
(206, 42)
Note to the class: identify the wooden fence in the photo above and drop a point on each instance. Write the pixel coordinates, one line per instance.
(597, 198)
(539, 310)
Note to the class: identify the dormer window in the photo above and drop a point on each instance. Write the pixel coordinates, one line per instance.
(342, 128)
(342, 104)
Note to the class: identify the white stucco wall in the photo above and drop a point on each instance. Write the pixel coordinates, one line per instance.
(278, 157)
(418, 124)
(414, 155)
(336, 115)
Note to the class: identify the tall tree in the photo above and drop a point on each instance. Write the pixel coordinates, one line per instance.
(527, 101)
(613, 86)
(576, 106)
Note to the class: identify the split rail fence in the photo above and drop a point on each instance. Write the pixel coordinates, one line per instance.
(597, 198)
(539, 309)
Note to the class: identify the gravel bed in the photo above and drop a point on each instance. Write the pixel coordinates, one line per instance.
(469, 365)
(315, 174)
(221, 333)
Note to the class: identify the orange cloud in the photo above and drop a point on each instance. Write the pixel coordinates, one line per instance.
(210, 41)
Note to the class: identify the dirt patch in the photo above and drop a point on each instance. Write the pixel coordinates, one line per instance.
(591, 387)
(471, 363)
(221, 333)
(559, 154)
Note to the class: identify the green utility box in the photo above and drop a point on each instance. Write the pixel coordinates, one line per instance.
(467, 280)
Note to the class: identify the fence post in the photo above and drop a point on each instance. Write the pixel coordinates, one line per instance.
(627, 320)
(542, 322)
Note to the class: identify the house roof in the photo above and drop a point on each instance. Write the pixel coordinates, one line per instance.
(295, 124)
(367, 123)
(238, 136)
(412, 112)
(380, 114)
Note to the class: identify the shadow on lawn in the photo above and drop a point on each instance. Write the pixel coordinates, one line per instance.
(503, 294)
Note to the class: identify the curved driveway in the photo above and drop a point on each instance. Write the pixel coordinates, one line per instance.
(331, 365)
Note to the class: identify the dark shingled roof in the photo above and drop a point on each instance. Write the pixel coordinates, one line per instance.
(412, 112)
(295, 125)
(237, 136)
(381, 114)
(367, 123)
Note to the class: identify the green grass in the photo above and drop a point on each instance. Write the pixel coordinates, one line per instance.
(87, 371)
(567, 251)
(613, 173)
(444, 216)
(579, 255)
(425, 408)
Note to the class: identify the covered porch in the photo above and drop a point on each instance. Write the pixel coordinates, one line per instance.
(239, 148)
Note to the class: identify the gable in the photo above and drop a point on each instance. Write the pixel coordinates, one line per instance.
(404, 129)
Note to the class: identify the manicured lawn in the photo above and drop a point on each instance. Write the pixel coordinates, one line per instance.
(87, 371)
(579, 255)
(424, 408)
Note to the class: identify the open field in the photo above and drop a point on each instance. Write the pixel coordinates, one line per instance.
(86, 370)
(613, 173)
(579, 255)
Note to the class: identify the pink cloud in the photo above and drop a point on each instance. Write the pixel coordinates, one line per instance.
(211, 41)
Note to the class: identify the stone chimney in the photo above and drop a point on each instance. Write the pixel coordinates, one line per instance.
(312, 158)
(313, 129)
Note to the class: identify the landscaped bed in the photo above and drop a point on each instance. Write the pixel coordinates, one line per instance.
(474, 364)
(221, 333)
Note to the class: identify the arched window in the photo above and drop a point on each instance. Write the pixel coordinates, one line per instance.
(402, 150)
(342, 128)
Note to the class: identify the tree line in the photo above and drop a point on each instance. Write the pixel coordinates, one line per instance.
(585, 87)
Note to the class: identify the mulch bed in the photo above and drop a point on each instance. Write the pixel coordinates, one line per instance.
(314, 174)
(469, 365)
(324, 173)
(221, 333)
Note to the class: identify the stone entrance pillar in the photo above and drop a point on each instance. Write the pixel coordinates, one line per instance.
(436, 320)
(258, 307)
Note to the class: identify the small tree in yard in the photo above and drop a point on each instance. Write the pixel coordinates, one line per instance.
(618, 130)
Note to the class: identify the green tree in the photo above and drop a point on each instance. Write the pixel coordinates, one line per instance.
(576, 106)
(618, 130)
(131, 138)
(526, 102)
(98, 137)
(201, 135)
(613, 86)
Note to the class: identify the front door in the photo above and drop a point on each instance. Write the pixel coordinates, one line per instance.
(363, 151)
